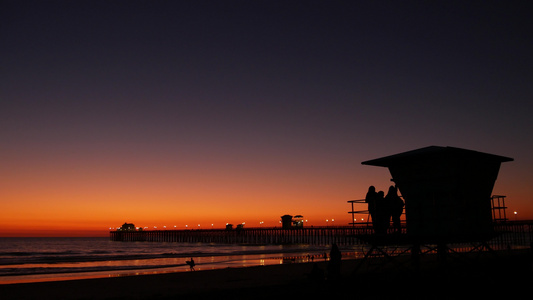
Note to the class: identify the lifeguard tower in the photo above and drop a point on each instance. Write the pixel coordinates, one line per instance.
(447, 193)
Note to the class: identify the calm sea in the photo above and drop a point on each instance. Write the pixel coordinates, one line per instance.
(49, 259)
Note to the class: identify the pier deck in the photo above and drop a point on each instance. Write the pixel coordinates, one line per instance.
(311, 235)
(508, 233)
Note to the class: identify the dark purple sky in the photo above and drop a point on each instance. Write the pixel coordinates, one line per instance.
(266, 87)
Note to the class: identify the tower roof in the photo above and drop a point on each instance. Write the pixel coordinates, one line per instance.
(433, 153)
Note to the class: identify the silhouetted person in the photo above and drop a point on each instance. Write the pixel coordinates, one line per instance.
(317, 274)
(395, 204)
(191, 264)
(531, 252)
(370, 198)
(334, 265)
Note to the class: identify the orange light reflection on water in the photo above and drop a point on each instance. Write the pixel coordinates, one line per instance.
(139, 267)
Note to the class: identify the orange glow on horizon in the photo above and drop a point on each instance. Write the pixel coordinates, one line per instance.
(62, 201)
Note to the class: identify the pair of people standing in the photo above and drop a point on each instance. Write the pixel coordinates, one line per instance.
(382, 208)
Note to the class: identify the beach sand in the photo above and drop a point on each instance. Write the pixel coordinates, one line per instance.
(461, 276)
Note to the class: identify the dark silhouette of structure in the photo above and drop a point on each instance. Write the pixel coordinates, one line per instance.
(290, 222)
(447, 191)
(127, 227)
(298, 221)
(286, 221)
(499, 209)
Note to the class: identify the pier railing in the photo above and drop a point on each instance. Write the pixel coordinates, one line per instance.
(508, 234)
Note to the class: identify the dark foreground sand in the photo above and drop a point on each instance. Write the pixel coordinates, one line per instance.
(492, 276)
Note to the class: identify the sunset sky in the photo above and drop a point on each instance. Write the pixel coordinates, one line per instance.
(174, 113)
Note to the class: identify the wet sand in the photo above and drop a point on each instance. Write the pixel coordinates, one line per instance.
(501, 275)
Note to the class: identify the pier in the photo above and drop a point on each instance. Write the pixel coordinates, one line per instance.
(507, 234)
(258, 236)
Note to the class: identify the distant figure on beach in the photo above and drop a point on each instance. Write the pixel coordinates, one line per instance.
(316, 275)
(396, 205)
(334, 265)
(370, 199)
(191, 264)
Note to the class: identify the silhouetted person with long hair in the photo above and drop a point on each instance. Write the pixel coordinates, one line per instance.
(370, 199)
(334, 265)
(396, 207)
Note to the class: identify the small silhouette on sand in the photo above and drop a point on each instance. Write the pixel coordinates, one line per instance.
(334, 265)
(191, 264)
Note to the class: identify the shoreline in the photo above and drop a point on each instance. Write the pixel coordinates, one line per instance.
(163, 266)
(507, 273)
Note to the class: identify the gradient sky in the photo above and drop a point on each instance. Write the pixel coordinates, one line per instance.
(174, 113)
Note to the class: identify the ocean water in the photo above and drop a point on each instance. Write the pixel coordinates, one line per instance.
(49, 259)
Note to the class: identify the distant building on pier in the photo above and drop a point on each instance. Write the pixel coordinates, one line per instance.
(127, 227)
(290, 222)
